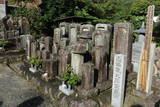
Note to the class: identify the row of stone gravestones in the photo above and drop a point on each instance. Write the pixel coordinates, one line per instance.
(12, 28)
(88, 49)
(85, 47)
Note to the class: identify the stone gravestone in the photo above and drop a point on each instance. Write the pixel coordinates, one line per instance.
(45, 55)
(123, 41)
(64, 43)
(104, 27)
(102, 37)
(73, 32)
(64, 26)
(23, 41)
(33, 49)
(2, 9)
(55, 49)
(48, 44)
(2, 34)
(16, 33)
(57, 36)
(76, 61)
(28, 50)
(118, 85)
(24, 26)
(100, 61)
(64, 59)
(9, 34)
(39, 54)
(87, 75)
(51, 67)
(137, 49)
(86, 31)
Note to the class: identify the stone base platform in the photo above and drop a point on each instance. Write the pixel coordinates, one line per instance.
(141, 94)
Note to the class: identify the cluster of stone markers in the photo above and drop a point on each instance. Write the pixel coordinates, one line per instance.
(94, 57)
(14, 29)
(92, 54)
(85, 47)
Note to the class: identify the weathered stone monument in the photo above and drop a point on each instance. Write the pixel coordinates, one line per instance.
(2, 9)
(86, 31)
(76, 61)
(144, 79)
(64, 26)
(119, 73)
(104, 27)
(137, 49)
(87, 76)
(28, 40)
(57, 36)
(73, 32)
(123, 41)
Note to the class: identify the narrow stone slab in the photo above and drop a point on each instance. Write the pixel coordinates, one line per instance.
(76, 61)
(73, 32)
(137, 50)
(119, 73)
(2, 9)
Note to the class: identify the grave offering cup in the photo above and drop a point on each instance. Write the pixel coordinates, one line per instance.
(66, 89)
(33, 69)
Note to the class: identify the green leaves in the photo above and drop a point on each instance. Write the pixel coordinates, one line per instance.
(73, 80)
(35, 61)
(5, 43)
(70, 77)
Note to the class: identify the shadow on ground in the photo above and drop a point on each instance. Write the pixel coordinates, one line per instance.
(33, 102)
(137, 105)
(1, 102)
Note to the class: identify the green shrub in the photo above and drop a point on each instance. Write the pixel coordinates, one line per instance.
(5, 43)
(70, 77)
(35, 61)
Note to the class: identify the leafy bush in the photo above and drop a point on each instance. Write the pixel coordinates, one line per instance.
(35, 61)
(70, 77)
(5, 43)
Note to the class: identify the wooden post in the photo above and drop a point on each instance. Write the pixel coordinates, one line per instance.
(144, 64)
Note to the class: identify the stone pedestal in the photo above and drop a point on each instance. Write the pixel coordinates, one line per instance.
(119, 73)
(152, 101)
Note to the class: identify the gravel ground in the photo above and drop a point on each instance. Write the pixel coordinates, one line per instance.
(17, 92)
